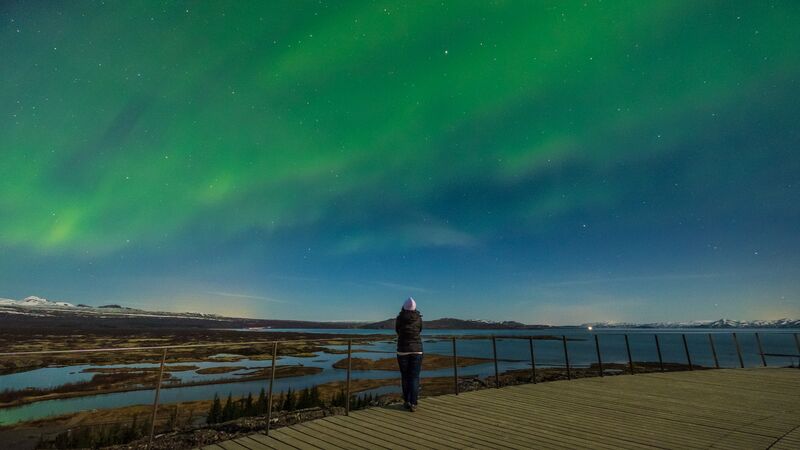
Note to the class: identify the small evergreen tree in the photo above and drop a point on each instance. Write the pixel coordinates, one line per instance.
(173, 418)
(249, 409)
(339, 399)
(261, 403)
(115, 434)
(289, 403)
(214, 414)
(228, 410)
(305, 399)
(315, 398)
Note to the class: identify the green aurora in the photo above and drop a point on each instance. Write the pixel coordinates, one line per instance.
(342, 155)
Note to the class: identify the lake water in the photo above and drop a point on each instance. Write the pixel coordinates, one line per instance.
(512, 353)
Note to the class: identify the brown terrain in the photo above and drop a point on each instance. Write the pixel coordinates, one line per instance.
(222, 342)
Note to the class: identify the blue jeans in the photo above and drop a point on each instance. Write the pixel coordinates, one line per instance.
(410, 366)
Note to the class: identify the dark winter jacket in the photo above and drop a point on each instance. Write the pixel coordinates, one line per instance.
(408, 326)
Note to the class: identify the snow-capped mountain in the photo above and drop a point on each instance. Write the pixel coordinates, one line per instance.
(720, 323)
(34, 301)
(38, 301)
(41, 307)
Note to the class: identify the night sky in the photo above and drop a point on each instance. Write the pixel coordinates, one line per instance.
(541, 161)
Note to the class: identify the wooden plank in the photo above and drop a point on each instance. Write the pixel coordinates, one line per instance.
(721, 402)
(675, 434)
(280, 435)
(737, 440)
(269, 442)
(667, 410)
(551, 408)
(253, 444)
(576, 420)
(791, 441)
(391, 433)
(338, 439)
(627, 426)
(687, 389)
(367, 439)
(508, 420)
(433, 426)
(689, 412)
(308, 438)
(490, 433)
(448, 436)
(383, 439)
(250, 444)
(542, 430)
(232, 445)
(744, 388)
(403, 429)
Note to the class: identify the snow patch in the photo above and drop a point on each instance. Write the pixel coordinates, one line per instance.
(720, 323)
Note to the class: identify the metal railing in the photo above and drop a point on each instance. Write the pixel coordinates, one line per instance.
(367, 338)
(165, 348)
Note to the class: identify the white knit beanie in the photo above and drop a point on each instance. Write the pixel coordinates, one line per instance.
(410, 304)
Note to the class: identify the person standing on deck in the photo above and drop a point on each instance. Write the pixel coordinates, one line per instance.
(408, 327)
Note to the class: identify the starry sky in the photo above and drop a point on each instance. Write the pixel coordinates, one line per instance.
(541, 161)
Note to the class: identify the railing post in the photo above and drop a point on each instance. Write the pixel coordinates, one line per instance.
(496, 372)
(658, 350)
(688, 356)
(566, 356)
(599, 358)
(761, 351)
(797, 344)
(738, 350)
(349, 368)
(533, 360)
(713, 350)
(271, 383)
(155, 401)
(455, 367)
(630, 359)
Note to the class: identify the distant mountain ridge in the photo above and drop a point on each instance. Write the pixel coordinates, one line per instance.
(21, 313)
(38, 306)
(39, 311)
(719, 323)
(35, 301)
(449, 323)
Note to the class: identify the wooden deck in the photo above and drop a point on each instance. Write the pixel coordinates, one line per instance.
(729, 409)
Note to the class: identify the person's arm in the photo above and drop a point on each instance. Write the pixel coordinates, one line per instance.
(397, 325)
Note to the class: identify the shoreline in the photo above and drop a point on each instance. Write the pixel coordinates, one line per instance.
(280, 372)
(431, 362)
